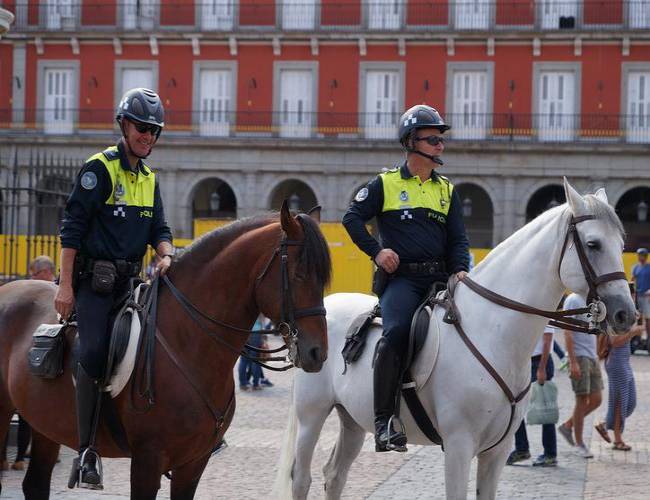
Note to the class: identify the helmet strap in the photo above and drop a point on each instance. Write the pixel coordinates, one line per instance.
(410, 149)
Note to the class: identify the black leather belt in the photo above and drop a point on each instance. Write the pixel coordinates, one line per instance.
(426, 268)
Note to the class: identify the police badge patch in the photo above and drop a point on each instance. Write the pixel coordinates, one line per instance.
(89, 180)
(404, 196)
(361, 195)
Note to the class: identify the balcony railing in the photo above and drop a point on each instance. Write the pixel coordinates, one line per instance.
(512, 127)
(304, 16)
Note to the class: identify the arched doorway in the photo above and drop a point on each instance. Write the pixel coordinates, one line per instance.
(214, 199)
(478, 214)
(298, 194)
(632, 208)
(544, 198)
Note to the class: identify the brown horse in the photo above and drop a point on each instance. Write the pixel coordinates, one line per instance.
(231, 274)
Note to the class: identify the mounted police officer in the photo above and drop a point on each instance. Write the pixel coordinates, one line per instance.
(113, 212)
(419, 216)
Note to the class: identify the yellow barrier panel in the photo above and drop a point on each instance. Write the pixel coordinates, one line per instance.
(352, 269)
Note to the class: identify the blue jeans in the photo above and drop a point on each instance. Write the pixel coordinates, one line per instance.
(246, 365)
(549, 438)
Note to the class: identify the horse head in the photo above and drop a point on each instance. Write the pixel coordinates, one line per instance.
(300, 274)
(592, 263)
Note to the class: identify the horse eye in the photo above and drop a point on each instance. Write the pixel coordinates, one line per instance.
(594, 245)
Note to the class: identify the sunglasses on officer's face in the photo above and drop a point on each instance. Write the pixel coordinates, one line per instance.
(143, 128)
(433, 140)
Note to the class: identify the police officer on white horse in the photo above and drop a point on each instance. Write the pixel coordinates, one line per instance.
(114, 211)
(423, 240)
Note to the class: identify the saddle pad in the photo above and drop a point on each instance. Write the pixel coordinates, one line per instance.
(422, 366)
(122, 372)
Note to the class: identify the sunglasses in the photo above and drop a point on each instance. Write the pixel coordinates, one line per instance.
(143, 128)
(433, 140)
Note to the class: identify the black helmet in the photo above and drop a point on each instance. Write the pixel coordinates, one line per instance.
(141, 105)
(419, 116)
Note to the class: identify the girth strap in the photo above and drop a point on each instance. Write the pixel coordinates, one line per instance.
(417, 410)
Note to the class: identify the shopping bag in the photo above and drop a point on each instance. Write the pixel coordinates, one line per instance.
(543, 408)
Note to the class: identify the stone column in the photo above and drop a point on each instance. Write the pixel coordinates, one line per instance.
(509, 207)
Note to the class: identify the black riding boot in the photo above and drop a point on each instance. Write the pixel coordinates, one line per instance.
(87, 467)
(386, 379)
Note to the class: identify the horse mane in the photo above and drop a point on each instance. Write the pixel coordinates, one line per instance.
(314, 253)
(595, 206)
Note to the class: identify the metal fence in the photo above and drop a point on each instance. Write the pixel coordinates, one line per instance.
(364, 15)
(32, 198)
(220, 123)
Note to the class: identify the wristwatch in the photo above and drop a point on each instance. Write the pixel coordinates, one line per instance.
(171, 256)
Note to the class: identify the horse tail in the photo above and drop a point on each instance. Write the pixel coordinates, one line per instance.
(282, 488)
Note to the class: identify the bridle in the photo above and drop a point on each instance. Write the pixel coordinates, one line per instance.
(287, 326)
(595, 309)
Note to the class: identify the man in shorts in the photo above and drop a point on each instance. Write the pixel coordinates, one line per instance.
(641, 277)
(586, 380)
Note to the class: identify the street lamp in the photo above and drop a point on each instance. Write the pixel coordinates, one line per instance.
(294, 202)
(642, 211)
(467, 207)
(215, 202)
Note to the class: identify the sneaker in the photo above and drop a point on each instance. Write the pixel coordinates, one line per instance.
(517, 456)
(257, 387)
(544, 461)
(584, 451)
(245, 388)
(266, 382)
(566, 434)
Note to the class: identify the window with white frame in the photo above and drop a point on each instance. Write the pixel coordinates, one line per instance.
(60, 14)
(469, 104)
(552, 10)
(638, 106)
(385, 14)
(215, 99)
(638, 13)
(298, 14)
(472, 14)
(217, 14)
(381, 104)
(296, 102)
(139, 14)
(556, 105)
(58, 100)
(136, 77)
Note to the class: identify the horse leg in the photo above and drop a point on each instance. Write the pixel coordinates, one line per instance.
(345, 451)
(45, 452)
(490, 465)
(310, 423)
(186, 479)
(146, 470)
(458, 457)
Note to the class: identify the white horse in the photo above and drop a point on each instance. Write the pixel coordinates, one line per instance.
(465, 404)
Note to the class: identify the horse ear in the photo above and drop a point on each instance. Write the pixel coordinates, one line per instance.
(574, 199)
(601, 195)
(314, 213)
(289, 224)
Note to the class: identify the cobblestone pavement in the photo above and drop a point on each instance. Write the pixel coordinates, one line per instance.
(246, 469)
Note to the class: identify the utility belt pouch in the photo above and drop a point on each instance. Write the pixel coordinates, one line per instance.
(379, 281)
(104, 276)
(45, 358)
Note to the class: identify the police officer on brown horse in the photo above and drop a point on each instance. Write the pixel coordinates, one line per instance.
(113, 213)
(419, 216)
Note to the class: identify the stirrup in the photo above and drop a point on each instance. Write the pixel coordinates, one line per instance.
(389, 444)
(76, 475)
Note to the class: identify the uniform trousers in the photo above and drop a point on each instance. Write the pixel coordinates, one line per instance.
(400, 299)
(93, 318)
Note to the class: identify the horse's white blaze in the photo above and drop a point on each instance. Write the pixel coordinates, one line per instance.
(465, 404)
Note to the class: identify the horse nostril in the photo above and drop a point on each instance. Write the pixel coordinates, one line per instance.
(620, 317)
(314, 354)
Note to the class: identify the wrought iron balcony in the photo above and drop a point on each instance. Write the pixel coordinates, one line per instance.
(263, 16)
(219, 124)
